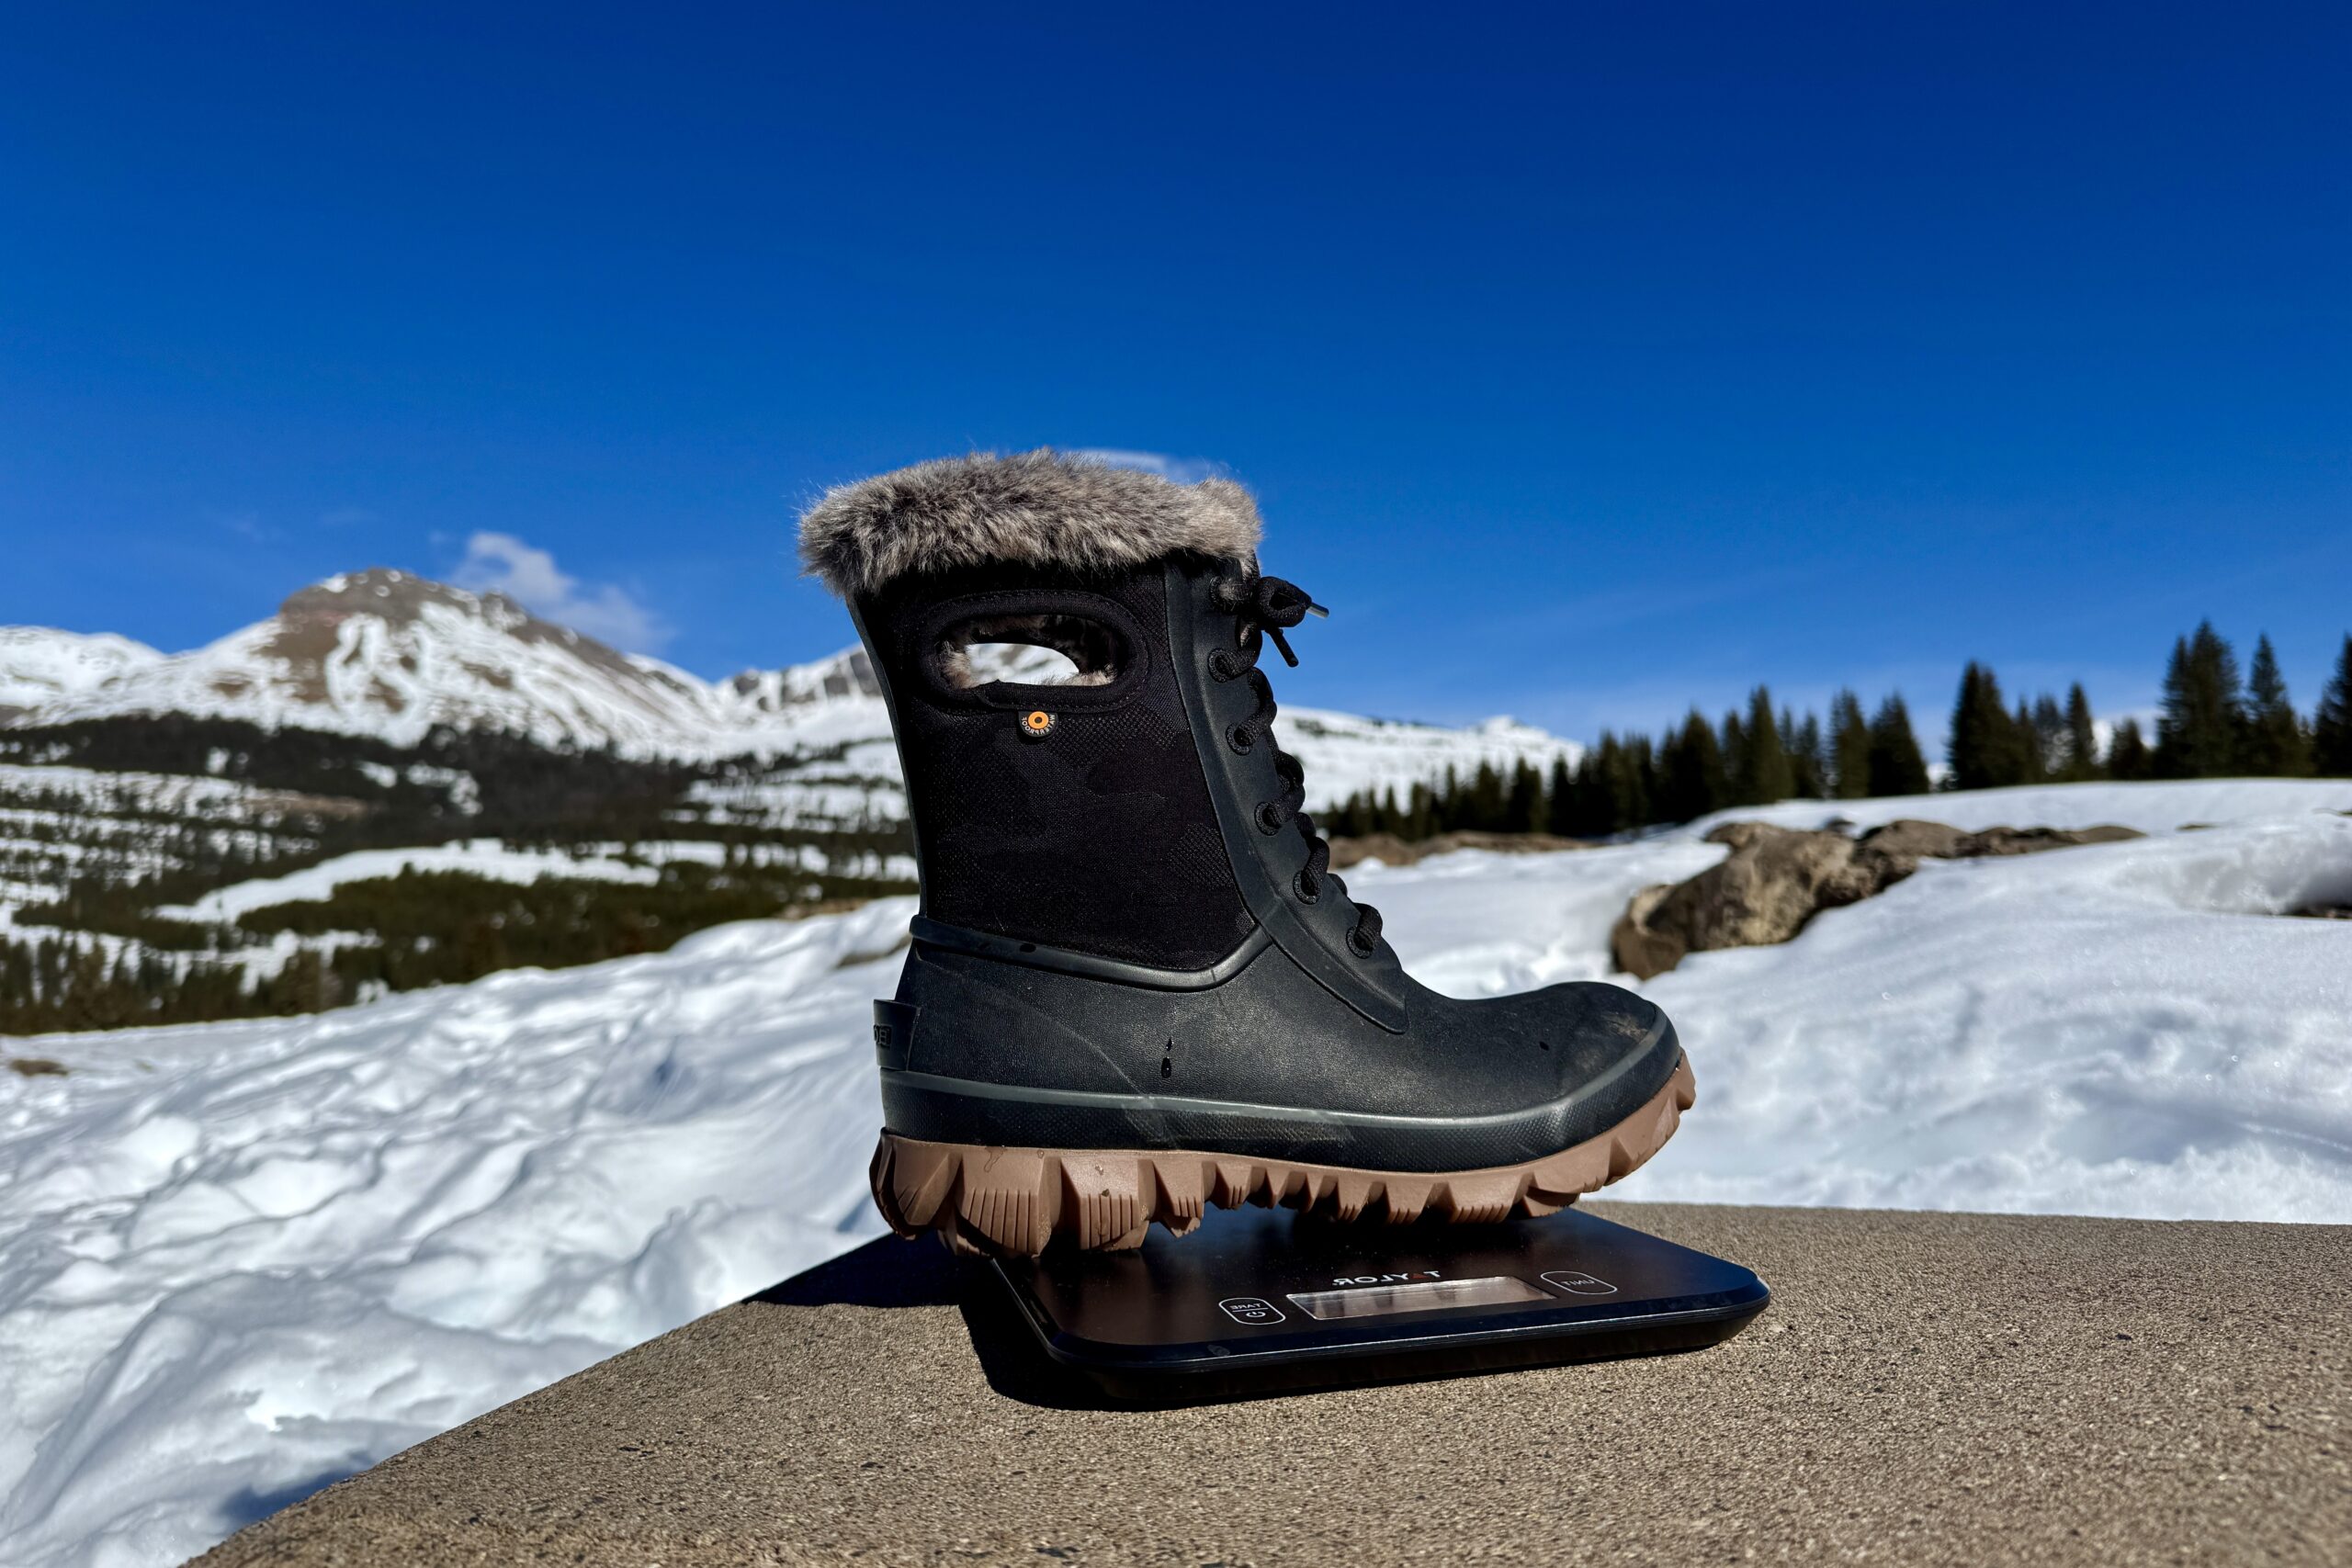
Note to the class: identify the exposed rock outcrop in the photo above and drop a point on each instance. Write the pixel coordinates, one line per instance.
(1773, 882)
(1776, 879)
(1933, 841)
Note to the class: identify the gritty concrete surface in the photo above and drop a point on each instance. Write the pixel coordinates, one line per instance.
(1924, 1389)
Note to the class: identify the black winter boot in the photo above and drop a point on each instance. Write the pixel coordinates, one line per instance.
(1136, 986)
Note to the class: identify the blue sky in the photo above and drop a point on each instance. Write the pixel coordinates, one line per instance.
(1588, 360)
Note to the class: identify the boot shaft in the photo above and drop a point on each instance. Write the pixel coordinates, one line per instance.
(1074, 815)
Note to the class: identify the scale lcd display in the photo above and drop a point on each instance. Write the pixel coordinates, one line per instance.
(1426, 1295)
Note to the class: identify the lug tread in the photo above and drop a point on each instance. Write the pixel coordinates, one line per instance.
(1007, 1201)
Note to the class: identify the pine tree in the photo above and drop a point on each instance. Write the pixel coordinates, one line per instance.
(2022, 743)
(2275, 745)
(1735, 756)
(1985, 749)
(2332, 725)
(1964, 743)
(1809, 771)
(1559, 805)
(2162, 756)
(2203, 720)
(1524, 811)
(1850, 747)
(1612, 801)
(1632, 787)
(1588, 813)
(1447, 804)
(1352, 821)
(2128, 757)
(1692, 767)
(2081, 757)
(2048, 738)
(1896, 765)
(1765, 773)
(1486, 808)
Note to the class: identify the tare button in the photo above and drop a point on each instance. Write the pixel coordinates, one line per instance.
(1253, 1311)
(1578, 1283)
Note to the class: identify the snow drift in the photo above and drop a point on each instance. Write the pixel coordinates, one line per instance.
(240, 1260)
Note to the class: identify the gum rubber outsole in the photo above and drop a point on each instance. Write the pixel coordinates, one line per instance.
(1010, 1202)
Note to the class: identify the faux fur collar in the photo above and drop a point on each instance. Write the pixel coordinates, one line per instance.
(1042, 508)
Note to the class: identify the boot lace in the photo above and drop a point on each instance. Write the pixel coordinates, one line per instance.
(1265, 607)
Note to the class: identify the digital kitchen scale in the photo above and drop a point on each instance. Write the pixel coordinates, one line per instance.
(1262, 1299)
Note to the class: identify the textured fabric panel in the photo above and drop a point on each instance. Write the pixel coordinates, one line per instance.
(1100, 837)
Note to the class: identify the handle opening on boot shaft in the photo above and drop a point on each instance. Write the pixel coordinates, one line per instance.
(1004, 650)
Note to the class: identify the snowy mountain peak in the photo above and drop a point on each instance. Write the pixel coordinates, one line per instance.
(41, 665)
(389, 654)
(846, 675)
(404, 600)
(394, 594)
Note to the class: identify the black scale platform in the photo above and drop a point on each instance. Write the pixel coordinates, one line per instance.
(1259, 1301)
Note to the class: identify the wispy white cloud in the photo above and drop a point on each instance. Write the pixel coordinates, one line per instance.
(1182, 470)
(247, 524)
(345, 516)
(500, 563)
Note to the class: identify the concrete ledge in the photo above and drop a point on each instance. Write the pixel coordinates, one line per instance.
(1924, 1389)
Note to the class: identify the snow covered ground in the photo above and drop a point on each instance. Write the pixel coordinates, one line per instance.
(2124, 1029)
(523, 865)
(490, 858)
(238, 1261)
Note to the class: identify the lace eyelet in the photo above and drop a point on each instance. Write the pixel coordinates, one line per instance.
(1241, 741)
(1357, 945)
(1270, 818)
(1220, 665)
(1299, 885)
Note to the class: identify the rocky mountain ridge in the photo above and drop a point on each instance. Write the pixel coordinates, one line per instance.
(391, 655)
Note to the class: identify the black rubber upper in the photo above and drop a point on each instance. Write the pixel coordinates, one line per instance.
(1131, 841)
(1468, 1084)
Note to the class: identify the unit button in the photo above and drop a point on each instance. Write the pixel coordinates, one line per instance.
(1578, 1283)
(1253, 1311)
